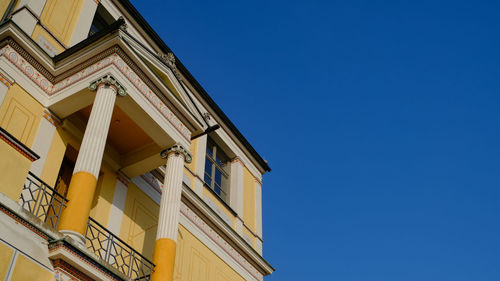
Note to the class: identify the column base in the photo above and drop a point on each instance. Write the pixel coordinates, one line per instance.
(77, 237)
(164, 260)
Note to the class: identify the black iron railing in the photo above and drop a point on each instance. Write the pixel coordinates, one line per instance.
(117, 253)
(42, 200)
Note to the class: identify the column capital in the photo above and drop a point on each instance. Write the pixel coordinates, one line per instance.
(177, 149)
(110, 80)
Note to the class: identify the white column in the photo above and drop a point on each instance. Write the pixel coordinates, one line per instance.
(82, 186)
(170, 204)
(94, 139)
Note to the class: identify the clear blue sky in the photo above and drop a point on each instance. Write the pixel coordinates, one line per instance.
(380, 120)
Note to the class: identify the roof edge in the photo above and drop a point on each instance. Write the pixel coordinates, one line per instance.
(162, 45)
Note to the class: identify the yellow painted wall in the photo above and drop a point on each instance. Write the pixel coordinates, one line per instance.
(61, 17)
(54, 158)
(195, 261)
(249, 199)
(20, 115)
(103, 198)
(140, 220)
(5, 257)
(25, 269)
(3, 6)
(39, 31)
(14, 167)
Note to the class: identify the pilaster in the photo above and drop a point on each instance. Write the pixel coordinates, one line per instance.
(236, 191)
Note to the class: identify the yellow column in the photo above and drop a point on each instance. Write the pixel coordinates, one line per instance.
(74, 217)
(168, 220)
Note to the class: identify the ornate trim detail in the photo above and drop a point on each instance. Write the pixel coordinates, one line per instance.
(51, 118)
(169, 60)
(64, 245)
(5, 80)
(112, 56)
(61, 265)
(110, 81)
(177, 149)
(17, 145)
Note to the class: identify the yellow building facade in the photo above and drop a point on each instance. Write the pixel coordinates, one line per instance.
(115, 163)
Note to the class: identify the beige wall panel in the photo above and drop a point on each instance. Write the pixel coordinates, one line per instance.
(54, 158)
(61, 16)
(101, 206)
(20, 115)
(140, 221)
(195, 261)
(25, 269)
(14, 167)
(5, 258)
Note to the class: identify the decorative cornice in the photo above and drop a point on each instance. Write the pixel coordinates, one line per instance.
(110, 81)
(177, 149)
(114, 55)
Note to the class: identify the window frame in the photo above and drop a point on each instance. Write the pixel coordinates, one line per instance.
(212, 150)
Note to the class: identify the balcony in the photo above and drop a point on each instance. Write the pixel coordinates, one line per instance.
(47, 204)
(42, 200)
(117, 253)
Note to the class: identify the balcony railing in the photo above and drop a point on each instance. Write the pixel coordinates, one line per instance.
(42, 200)
(117, 253)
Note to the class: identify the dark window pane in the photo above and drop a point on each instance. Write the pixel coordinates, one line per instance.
(209, 151)
(208, 166)
(217, 190)
(207, 179)
(218, 177)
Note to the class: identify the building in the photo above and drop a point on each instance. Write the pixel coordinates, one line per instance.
(115, 164)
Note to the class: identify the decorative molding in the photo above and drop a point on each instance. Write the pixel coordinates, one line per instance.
(177, 149)
(17, 145)
(22, 221)
(63, 245)
(6, 80)
(123, 178)
(110, 81)
(169, 60)
(66, 272)
(52, 85)
(49, 116)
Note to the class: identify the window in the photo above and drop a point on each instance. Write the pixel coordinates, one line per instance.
(216, 170)
(102, 18)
